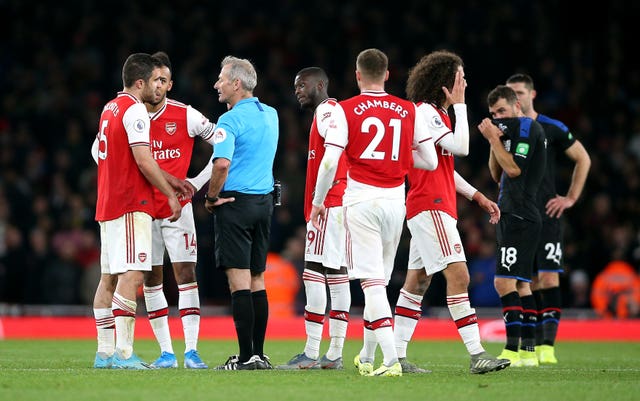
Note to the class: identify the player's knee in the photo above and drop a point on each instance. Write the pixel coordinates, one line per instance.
(548, 280)
(416, 282)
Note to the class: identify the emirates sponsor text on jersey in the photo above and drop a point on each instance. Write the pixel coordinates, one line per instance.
(164, 154)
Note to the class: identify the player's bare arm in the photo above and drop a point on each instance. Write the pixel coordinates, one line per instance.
(492, 134)
(494, 168)
(183, 189)
(318, 214)
(488, 206)
(558, 204)
(471, 193)
(153, 173)
(219, 175)
(326, 174)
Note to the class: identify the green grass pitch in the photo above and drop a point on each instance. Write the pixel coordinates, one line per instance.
(62, 370)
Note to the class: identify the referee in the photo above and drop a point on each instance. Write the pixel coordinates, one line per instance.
(241, 198)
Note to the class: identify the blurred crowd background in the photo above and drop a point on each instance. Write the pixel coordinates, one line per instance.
(61, 61)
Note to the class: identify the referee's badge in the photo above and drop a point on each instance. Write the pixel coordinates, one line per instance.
(170, 127)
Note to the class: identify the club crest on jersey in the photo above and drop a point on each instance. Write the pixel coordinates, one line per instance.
(142, 256)
(170, 127)
(457, 248)
(219, 135)
(325, 116)
(139, 125)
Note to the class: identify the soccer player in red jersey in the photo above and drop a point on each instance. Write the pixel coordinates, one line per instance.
(325, 265)
(174, 126)
(377, 132)
(125, 207)
(437, 83)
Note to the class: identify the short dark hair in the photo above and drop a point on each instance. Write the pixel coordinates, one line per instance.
(138, 66)
(521, 78)
(317, 72)
(163, 58)
(502, 92)
(372, 63)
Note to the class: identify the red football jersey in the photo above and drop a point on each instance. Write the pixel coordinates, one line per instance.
(434, 190)
(321, 118)
(173, 129)
(380, 138)
(122, 188)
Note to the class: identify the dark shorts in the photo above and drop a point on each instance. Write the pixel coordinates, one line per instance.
(549, 254)
(242, 229)
(517, 244)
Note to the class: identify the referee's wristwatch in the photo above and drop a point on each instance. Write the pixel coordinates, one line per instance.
(208, 198)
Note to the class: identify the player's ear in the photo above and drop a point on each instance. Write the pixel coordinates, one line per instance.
(170, 85)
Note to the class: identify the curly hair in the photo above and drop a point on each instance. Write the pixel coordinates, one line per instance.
(430, 74)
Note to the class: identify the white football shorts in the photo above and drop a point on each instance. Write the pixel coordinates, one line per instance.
(435, 241)
(178, 238)
(327, 246)
(125, 243)
(373, 229)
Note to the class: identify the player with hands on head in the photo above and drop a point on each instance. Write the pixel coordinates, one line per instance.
(517, 159)
(436, 83)
(548, 264)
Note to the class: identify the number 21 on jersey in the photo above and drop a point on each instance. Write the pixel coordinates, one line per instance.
(370, 151)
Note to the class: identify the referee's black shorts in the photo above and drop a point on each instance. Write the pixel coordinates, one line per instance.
(242, 230)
